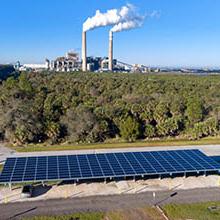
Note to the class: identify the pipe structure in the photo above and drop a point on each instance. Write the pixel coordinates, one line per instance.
(84, 52)
(110, 54)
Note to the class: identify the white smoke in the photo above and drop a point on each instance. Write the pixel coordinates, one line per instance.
(132, 20)
(125, 26)
(112, 17)
(129, 24)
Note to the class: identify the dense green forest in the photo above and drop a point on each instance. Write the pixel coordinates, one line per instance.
(88, 107)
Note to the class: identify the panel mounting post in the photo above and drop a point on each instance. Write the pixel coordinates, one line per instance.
(10, 186)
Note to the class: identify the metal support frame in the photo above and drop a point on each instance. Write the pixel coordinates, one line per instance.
(10, 186)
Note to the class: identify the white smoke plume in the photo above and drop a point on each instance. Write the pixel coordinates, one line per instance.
(127, 25)
(112, 17)
(132, 20)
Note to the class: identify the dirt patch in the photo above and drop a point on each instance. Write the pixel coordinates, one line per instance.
(137, 214)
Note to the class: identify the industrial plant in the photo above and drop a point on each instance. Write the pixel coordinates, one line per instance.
(122, 19)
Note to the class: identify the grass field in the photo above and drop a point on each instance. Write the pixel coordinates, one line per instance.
(199, 211)
(80, 216)
(150, 143)
(147, 213)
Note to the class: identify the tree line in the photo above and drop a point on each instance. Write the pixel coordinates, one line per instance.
(89, 107)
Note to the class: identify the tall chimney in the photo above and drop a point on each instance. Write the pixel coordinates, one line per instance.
(84, 53)
(110, 54)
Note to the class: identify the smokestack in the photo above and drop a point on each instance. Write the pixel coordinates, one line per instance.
(110, 54)
(84, 52)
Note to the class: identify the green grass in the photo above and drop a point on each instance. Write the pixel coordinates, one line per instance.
(1, 167)
(146, 213)
(150, 143)
(79, 216)
(197, 211)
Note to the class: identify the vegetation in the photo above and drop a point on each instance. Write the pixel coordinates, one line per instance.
(84, 108)
(198, 211)
(148, 143)
(140, 213)
(79, 216)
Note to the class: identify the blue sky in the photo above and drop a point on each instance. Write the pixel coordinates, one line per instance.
(187, 32)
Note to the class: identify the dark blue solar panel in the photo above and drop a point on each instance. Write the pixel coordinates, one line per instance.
(104, 164)
(89, 166)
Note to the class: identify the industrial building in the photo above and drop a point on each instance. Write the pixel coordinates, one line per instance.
(107, 64)
(32, 67)
(68, 63)
(71, 62)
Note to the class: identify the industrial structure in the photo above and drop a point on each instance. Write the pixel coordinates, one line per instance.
(71, 62)
(84, 52)
(68, 63)
(107, 64)
(110, 55)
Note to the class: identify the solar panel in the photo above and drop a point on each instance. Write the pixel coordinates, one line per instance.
(105, 165)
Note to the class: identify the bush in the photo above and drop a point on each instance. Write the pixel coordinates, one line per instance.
(149, 131)
(209, 127)
(169, 127)
(195, 110)
(130, 129)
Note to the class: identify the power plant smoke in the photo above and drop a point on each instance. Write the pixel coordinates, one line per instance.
(125, 18)
(132, 20)
(127, 25)
(126, 15)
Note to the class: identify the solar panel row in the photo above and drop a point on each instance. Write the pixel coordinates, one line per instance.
(89, 166)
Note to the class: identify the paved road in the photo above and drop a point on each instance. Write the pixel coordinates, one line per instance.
(211, 150)
(5, 152)
(105, 203)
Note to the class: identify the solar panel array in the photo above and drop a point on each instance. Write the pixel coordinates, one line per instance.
(90, 166)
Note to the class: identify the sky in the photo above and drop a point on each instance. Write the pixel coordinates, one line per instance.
(186, 32)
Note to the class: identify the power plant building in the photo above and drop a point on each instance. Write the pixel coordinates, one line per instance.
(68, 63)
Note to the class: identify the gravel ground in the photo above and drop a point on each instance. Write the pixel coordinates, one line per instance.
(112, 188)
